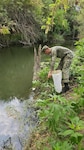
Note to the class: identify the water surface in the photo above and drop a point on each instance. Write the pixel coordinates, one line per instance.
(16, 72)
(17, 115)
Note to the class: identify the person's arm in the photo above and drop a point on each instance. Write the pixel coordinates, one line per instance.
(53, 59)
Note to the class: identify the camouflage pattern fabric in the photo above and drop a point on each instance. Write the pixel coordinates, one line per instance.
(64, 65)
(66, 56)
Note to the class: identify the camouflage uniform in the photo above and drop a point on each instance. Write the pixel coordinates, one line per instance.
(66, 56)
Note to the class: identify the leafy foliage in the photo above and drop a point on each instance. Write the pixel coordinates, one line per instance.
(4, 30)
(61, 116)
(20, 21)
(62, 145)
(33, 19)
(80, 20)
(53, 8)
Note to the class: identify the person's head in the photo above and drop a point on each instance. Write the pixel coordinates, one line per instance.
(46, 49)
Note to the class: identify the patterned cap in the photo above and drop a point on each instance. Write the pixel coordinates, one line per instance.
(44, 48)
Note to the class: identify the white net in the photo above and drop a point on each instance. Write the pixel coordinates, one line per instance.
(57, 78)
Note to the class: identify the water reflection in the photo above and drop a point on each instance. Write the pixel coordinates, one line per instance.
(17, 120)
(16, 71)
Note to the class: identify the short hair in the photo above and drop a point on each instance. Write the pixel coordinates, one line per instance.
(44, 48)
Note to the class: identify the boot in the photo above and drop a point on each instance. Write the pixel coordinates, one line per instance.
(66, 88)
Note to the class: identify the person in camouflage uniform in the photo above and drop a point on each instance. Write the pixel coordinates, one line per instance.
(66, 56)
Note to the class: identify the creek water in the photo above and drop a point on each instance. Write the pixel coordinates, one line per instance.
(16, 71)
(17, 115)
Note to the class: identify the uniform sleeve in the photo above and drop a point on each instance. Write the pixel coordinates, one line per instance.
(53, 59)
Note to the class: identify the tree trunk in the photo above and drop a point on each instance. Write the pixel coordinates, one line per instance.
(37, 61)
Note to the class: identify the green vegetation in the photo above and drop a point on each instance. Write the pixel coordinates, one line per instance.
(80, 20)
(21, 21)
(61, 117)
(30, 22)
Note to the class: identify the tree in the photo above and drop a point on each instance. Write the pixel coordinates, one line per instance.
(80, 19)
(23, 18)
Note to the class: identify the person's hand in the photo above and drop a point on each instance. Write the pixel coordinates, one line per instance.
(49, 74)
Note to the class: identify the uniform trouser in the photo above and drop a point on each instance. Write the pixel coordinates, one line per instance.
(64, 65)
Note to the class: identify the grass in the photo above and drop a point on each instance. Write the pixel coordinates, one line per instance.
(61, 117)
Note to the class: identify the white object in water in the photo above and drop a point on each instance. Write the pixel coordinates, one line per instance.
(57, 78)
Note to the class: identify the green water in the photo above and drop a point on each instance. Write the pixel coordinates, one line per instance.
(16, 72)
